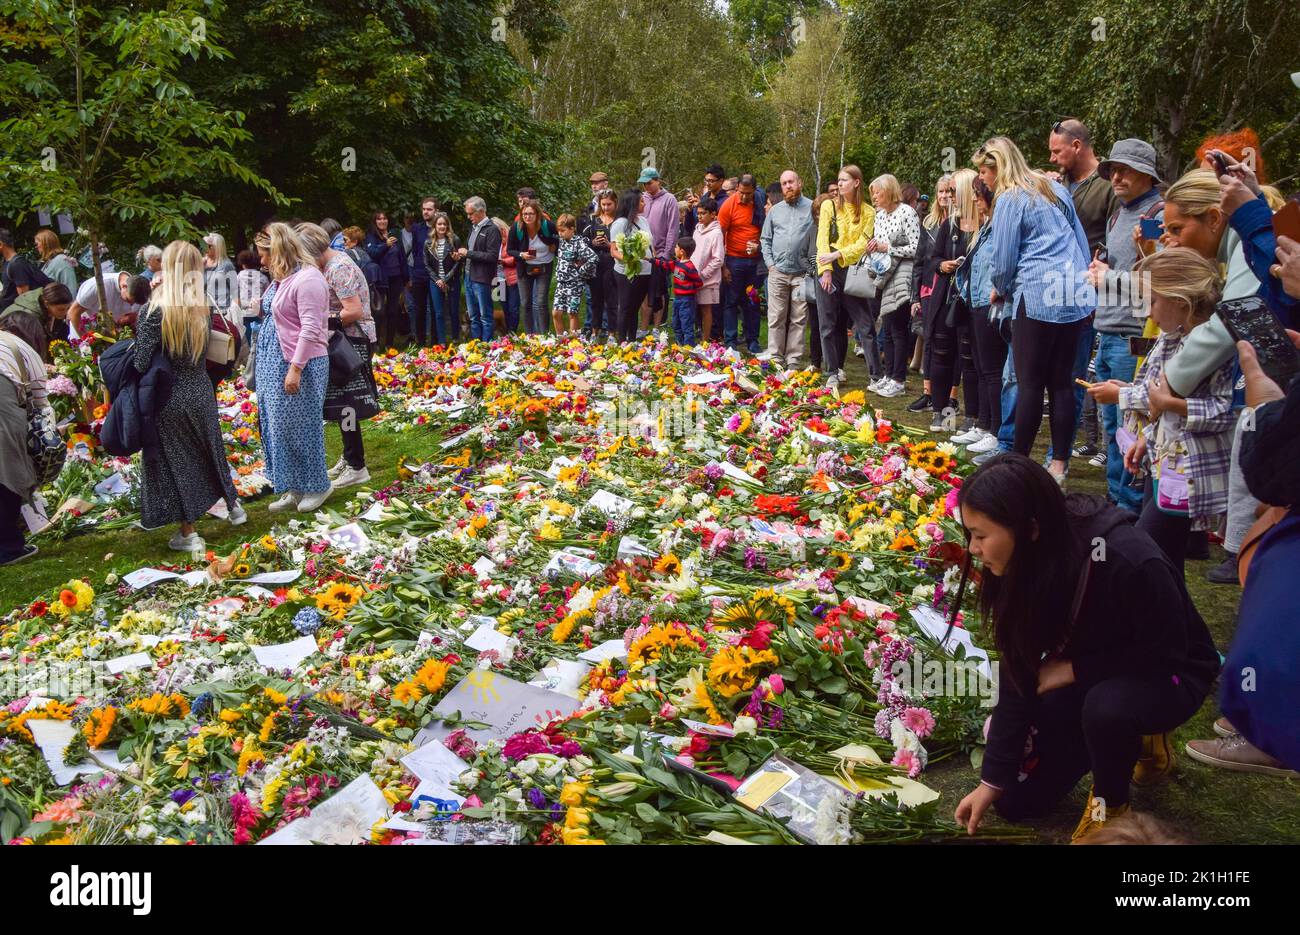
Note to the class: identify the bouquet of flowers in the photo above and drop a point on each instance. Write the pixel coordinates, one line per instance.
(636, 248)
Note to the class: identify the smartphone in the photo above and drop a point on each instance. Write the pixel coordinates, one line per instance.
(1152, 229)
(1249, 319)
(1220, 162)
(1286, 223)
(1140, 347)
(960, 261)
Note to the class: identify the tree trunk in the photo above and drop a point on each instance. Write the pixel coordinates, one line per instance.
(106, 324)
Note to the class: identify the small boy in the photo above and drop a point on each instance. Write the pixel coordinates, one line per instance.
(686, 283)
(575, 264)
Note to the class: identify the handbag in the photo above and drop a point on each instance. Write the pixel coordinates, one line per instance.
(45, 446)
(1172, 485)
(859, 281)
(344, 359)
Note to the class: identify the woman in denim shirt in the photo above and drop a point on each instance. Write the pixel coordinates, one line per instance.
(1039, 257)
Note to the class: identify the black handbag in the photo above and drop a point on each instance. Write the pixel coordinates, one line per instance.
(957, 312)
(344, 360)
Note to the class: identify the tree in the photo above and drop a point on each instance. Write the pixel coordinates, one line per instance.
(648, 82)
(938, 79)
(815, 103)
(104, 127)
(354, 107)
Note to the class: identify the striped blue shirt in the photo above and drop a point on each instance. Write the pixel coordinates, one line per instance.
(1039, 256)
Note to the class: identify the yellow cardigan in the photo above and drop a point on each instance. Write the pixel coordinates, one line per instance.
(854, 234)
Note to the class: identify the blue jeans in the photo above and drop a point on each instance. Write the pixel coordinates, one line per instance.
(443, 317)
(478, 306)
(1007, 430)
(1114, 362)
(684, 320)
(737, 309)
(510, 307)
(534, 292)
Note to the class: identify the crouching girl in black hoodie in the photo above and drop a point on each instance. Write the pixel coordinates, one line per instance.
(1102, 651)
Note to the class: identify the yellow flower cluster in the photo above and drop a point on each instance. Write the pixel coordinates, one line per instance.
(75, 597)
(337, 599)
(646, 649)
(98, 726)
(428, 680)
(734, 669)
(158, 704)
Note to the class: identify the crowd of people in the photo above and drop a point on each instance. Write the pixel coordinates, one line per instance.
(1094, 289)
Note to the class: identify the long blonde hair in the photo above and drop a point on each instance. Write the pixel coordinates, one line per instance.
(1195, 193)
(1182, 274)
(963, 197)
(938, 213)
(286, 249)
(186, 318)
(840, 202)
(1006, 159)
(47, 243)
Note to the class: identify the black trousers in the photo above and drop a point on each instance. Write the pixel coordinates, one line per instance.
(897, 329)
(631, 293)
(391, 315)
(813, 329)
(1098, 730)
(990, 358)
(1169, 531)
(11, 524)
(1044, 355)
(834, 312)
(420, 300)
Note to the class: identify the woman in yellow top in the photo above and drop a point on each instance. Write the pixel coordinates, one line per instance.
(853, 222)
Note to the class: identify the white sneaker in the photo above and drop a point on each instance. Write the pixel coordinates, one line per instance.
(339, 467)
(312, 501)
(351, 477)
(286, 502)
(238, 516)
(968, 437)
(181, 543)
(891, 388)
(860, 352)
(875, 385)
(832, 382)
(988, 443)
(840, 375)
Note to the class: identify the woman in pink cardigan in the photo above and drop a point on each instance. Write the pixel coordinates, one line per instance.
(293, 371)
(708, 258)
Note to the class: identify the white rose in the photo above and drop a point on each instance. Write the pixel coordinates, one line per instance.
(744, 725)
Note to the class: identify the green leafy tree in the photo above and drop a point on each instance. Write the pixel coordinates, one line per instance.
(102, 125)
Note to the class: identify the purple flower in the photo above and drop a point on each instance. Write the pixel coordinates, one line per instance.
(181, 796)
(535, 798)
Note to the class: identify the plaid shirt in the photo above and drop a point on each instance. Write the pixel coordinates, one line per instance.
(1205, 436)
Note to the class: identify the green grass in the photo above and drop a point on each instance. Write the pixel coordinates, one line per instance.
(1201, 804)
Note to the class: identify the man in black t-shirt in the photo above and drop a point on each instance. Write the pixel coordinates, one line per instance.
(17, 274)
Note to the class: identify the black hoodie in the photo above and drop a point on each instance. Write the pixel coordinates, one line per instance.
(1136, 619)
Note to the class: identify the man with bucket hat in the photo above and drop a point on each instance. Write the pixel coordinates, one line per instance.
(1131, 171)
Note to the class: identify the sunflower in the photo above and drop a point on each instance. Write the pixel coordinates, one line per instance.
(845, 560)
(668, 565)
(98, 726)
(267, 542)
(337, 599)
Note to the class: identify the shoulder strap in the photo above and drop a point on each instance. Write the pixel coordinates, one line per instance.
(15, 346)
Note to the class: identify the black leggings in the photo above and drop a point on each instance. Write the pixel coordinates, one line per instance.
(631, 293)
(952, 352)
(1096, 730)
(897, 329)
(1044, 355)
(1169, 530)
(11, 524)
(990, 358)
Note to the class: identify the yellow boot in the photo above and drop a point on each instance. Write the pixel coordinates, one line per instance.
(1095, 815)
(1156, 763)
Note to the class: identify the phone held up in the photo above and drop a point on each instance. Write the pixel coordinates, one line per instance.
(1152, 229)
(1250, 320)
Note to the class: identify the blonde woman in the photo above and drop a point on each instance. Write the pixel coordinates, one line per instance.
(948, 320)
(844, 227)
(1038, 262)
(897, 233)
(219, 277)
(54, 262)
(293, 370)
(190, 472)
(1183, 442)
(357, 400)
(924, 270)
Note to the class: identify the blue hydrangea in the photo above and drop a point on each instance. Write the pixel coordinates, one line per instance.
(307, 621)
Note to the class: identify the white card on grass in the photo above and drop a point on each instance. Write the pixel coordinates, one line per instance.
(285, 655)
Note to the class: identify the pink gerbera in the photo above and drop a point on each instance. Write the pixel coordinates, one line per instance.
(906, 759)
(919, 721)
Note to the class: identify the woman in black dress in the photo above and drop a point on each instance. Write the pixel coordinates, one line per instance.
(188, 473)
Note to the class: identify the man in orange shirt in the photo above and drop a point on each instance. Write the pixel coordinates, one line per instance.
(741, 220)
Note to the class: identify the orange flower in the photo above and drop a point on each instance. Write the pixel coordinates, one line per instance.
(68, 598)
